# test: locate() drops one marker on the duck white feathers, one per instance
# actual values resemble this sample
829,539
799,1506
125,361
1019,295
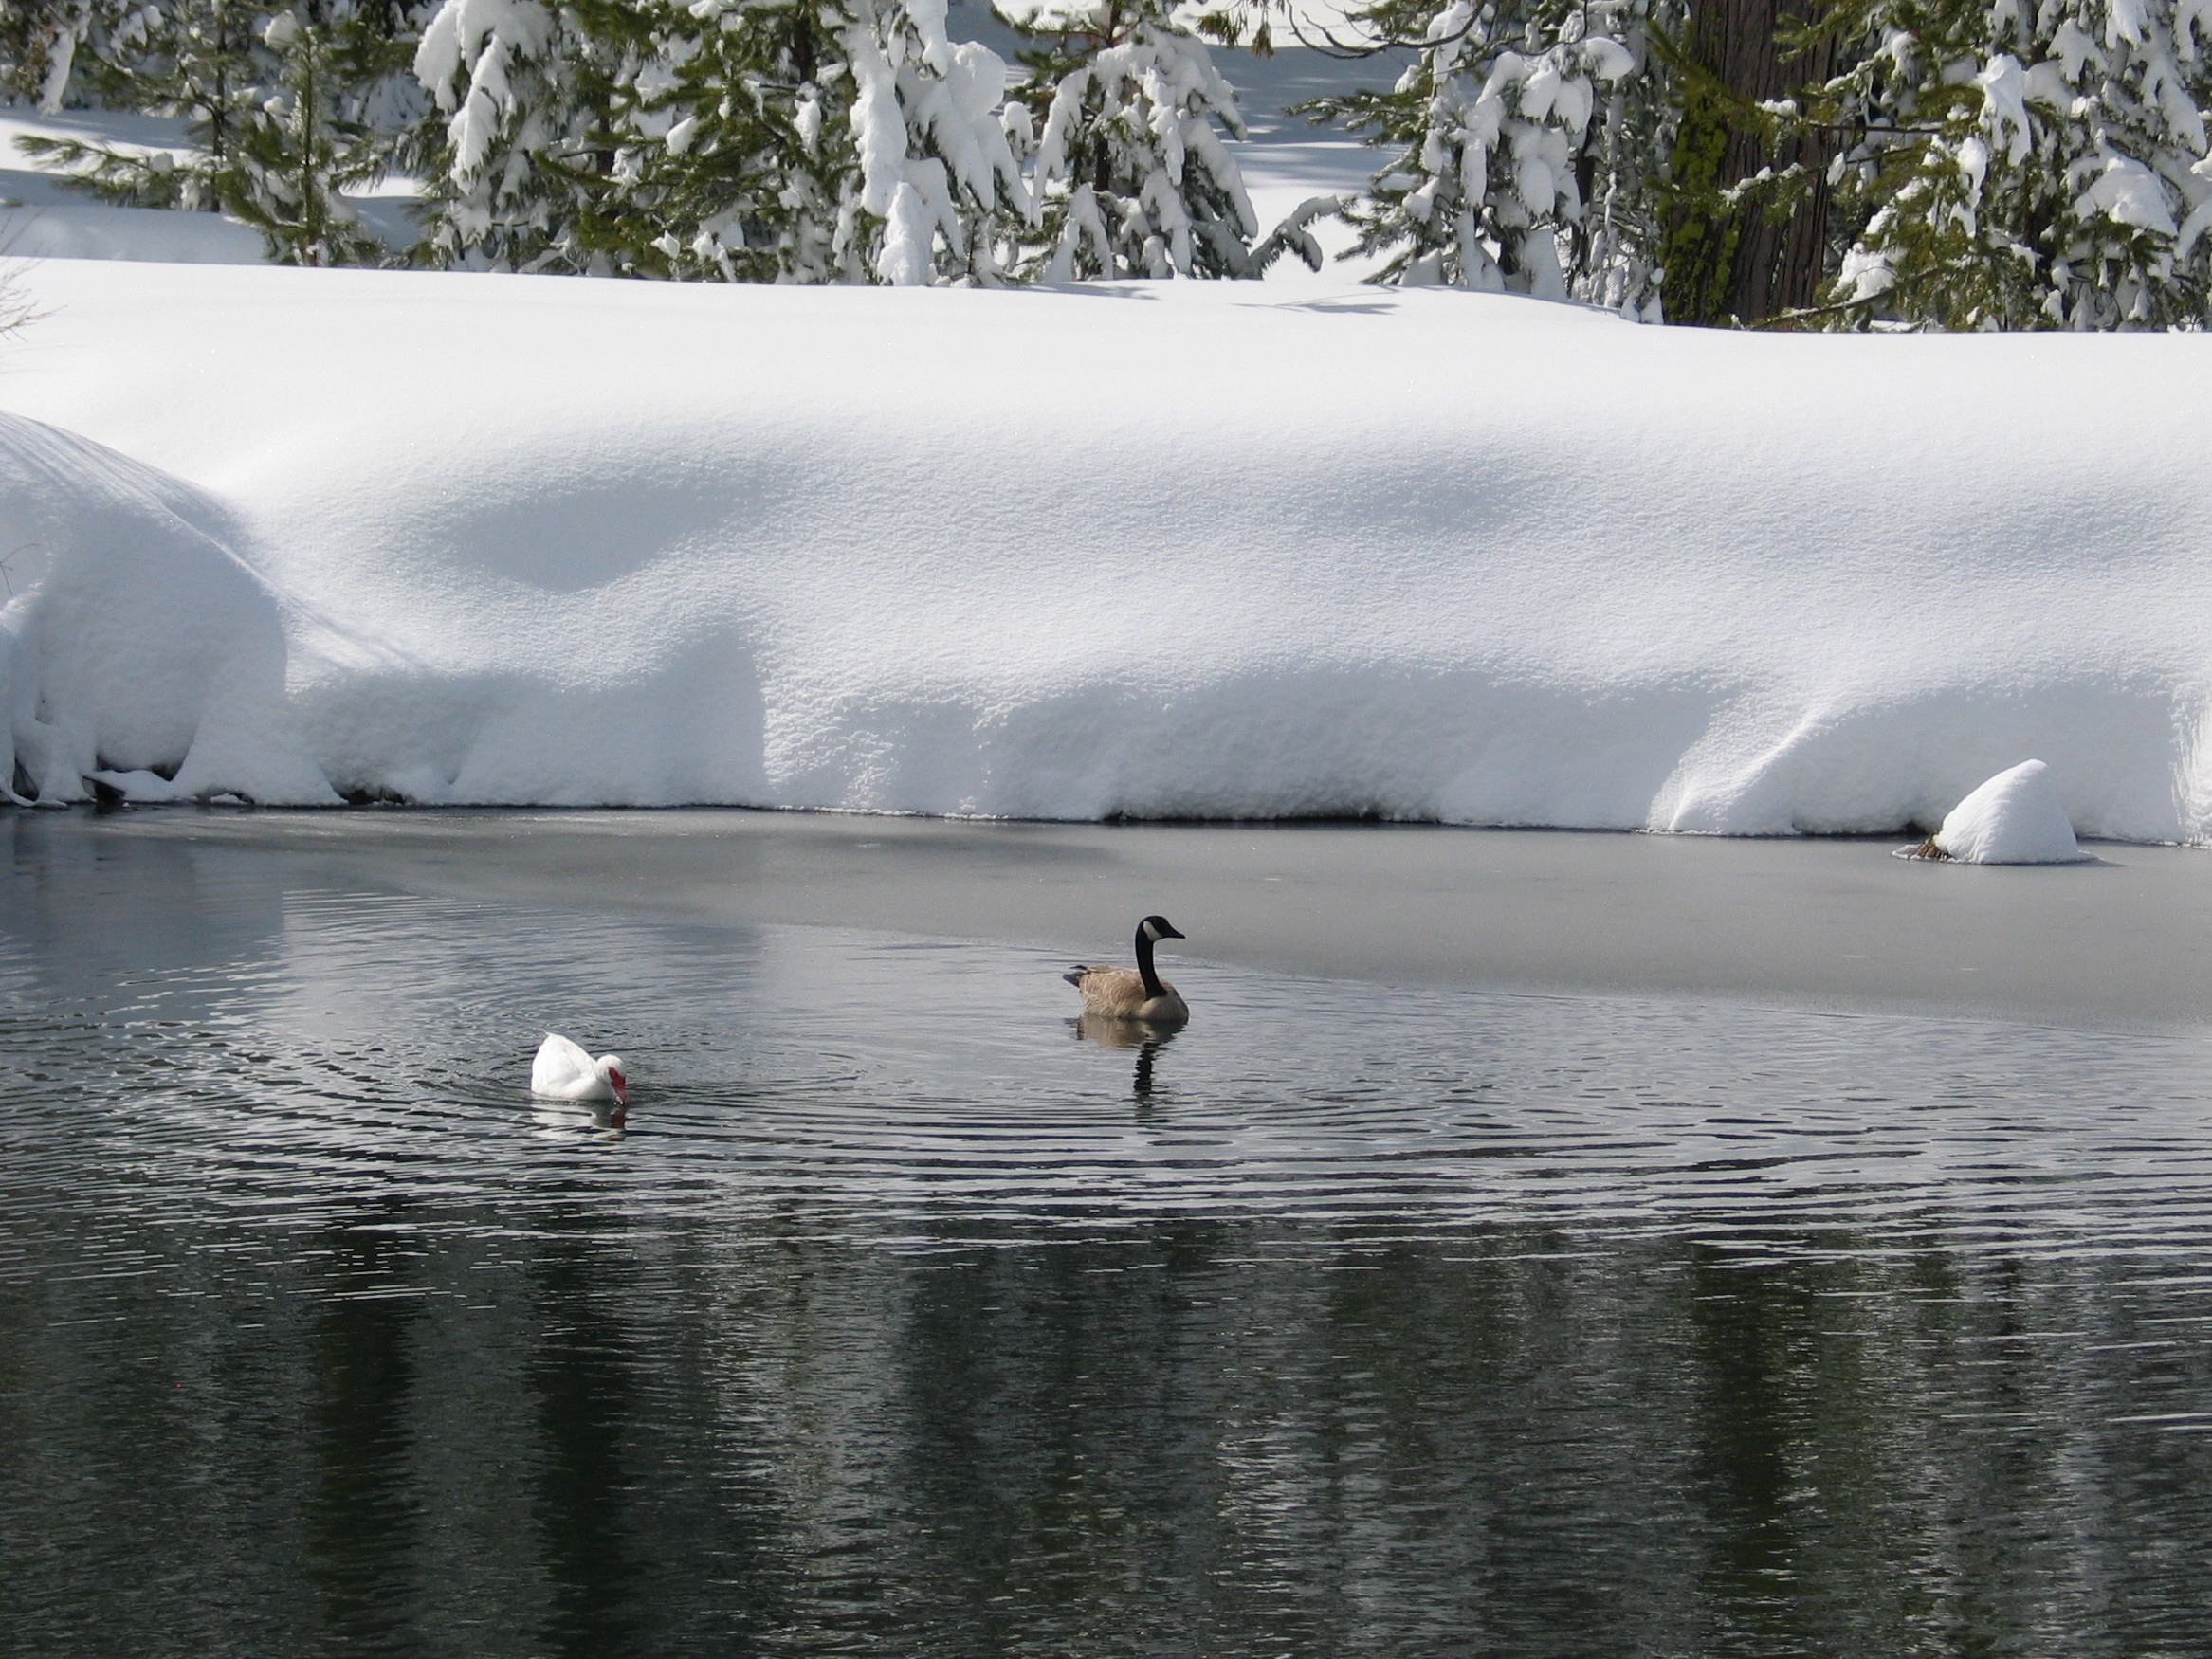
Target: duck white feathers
563,1071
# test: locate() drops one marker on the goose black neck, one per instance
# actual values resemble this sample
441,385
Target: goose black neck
1151,976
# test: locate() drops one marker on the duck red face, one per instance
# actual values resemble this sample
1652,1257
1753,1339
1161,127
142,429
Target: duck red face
619,1083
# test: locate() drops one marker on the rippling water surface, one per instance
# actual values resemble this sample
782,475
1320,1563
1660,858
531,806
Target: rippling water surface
905,1318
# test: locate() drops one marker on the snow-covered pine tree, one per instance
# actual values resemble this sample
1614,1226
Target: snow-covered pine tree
937,193
514,156
201,61
276,108
1531,137
27,36
1131,173
825,140
793,140
43,56
309,141
713,124
2016,165
1996,163
29,31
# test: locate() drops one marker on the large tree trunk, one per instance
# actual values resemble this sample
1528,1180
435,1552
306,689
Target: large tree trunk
1738,263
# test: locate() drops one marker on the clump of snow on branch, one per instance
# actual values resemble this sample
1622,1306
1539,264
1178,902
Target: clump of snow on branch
1525,139
2020,165
505,192
848,142
1130,165
286,112
935,165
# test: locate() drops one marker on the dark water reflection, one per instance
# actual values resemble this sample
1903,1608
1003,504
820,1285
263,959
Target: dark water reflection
909,1319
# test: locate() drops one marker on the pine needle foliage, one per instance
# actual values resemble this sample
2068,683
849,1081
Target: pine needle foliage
1528,138
737,146
278,108
514,153
741,141
201,61
1746,200
1956,164
1132,176
309,141
2018,165
53,53
939,191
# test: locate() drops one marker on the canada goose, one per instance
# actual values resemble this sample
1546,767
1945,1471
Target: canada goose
1117,993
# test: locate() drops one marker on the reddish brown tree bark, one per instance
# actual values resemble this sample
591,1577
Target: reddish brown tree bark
1737,262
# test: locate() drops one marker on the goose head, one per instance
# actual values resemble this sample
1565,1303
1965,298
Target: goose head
1157,927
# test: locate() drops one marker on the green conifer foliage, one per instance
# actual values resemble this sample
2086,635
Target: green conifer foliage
937,189
739,144
61,54
308,142
1131,169
518,154
1529,139
198,59
1747,197
38,48
2020,166
759,140
793,140
274,106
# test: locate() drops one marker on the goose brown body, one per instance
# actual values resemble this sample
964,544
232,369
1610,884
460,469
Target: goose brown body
1132,993
1119,994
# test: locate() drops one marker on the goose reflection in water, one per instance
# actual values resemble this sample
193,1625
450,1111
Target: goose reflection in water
1146,1036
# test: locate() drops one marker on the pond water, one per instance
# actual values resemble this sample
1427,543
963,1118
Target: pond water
904,1317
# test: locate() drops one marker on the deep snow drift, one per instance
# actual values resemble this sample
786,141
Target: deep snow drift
1165,549
132,638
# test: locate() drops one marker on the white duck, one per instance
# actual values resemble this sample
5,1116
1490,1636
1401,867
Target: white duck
563,1071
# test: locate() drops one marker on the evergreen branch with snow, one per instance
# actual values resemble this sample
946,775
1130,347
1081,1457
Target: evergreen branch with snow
284,112
1522,139
1131,173
2022,167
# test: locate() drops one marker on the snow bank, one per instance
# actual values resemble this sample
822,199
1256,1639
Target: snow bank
1171,549
132,641
2014,818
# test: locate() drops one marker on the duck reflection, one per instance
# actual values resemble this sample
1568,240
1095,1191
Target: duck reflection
561,1119
1146,1036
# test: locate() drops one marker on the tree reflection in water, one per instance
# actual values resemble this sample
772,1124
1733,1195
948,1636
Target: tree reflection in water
1438,1327
597,1437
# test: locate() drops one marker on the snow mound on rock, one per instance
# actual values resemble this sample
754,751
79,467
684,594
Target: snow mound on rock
2014,818
133,643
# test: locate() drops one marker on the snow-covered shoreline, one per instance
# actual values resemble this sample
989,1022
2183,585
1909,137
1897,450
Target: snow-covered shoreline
1221,549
